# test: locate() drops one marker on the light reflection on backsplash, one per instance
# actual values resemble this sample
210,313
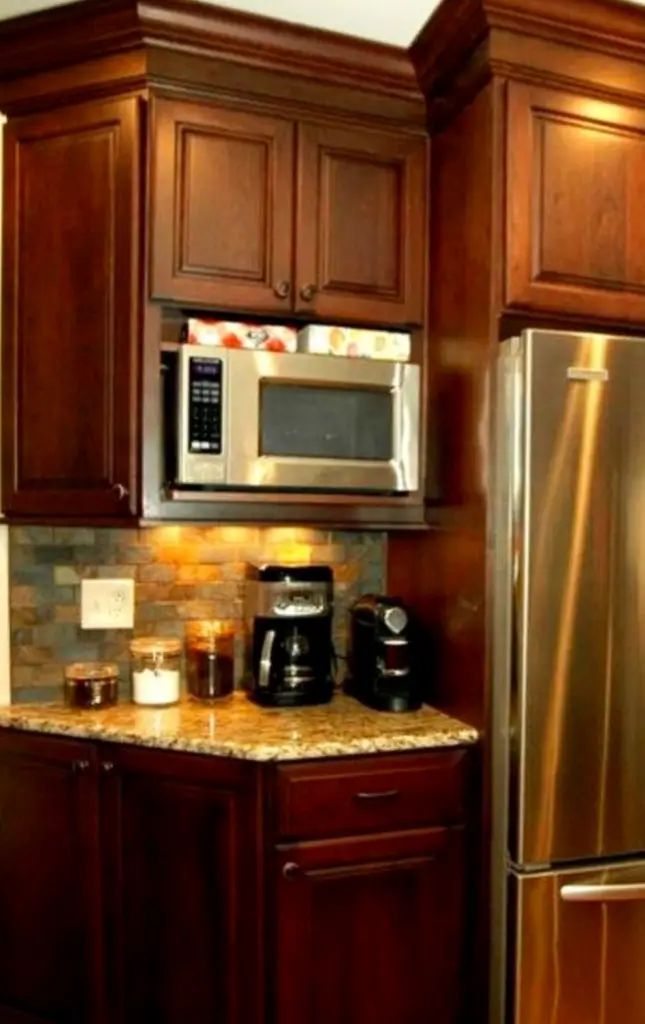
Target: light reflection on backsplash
181,573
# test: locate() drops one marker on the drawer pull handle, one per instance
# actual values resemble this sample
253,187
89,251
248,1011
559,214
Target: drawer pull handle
290,871
80,766
387,794
107,766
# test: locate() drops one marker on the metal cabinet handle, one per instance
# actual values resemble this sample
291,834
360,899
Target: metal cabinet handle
603,893
290,871
80,766
120,491
282,289
386,794
107,766
308,292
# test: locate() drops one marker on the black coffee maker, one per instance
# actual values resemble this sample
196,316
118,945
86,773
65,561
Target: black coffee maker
380,658
289,615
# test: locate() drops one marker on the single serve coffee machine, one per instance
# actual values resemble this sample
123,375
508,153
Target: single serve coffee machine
289,644
380,657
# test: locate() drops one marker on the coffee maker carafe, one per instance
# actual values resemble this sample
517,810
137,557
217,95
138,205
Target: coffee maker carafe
289,611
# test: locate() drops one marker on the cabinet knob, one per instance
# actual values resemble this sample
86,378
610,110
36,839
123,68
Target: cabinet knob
290,871
120,491
307,292
107,766
80,766
282,289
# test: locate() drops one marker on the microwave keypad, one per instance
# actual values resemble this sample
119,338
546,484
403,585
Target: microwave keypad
205,405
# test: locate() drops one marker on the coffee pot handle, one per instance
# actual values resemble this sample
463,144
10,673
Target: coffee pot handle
265,659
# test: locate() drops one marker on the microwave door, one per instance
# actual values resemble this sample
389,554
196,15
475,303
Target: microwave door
318,423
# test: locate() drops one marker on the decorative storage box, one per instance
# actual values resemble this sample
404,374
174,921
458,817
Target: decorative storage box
349,341
233,334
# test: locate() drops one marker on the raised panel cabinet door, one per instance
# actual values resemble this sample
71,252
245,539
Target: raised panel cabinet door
576,178
222,206
70,329
369,930
51,967
182,896
361,225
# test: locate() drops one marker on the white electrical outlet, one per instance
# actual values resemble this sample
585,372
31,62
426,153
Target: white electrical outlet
107,604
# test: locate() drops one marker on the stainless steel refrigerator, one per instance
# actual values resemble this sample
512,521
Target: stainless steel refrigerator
568,667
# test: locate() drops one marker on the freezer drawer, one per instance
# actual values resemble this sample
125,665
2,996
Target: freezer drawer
579,947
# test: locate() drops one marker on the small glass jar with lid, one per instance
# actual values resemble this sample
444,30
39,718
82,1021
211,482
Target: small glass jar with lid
210,658
156,671
91,684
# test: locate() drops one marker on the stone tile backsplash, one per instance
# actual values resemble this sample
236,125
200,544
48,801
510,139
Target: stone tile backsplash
181,573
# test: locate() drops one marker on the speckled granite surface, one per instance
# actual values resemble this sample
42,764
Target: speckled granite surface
237,728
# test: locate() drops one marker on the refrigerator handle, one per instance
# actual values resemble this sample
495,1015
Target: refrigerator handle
603,893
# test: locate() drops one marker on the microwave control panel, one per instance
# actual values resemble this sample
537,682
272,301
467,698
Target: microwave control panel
205,406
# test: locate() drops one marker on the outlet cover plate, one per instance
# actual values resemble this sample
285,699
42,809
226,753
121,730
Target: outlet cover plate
107,604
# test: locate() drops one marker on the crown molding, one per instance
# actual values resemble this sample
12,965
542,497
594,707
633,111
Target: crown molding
90,29
459,27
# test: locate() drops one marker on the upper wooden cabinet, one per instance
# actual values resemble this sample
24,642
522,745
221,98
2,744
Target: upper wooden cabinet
70,297
362,225
223,230
575,238
222,206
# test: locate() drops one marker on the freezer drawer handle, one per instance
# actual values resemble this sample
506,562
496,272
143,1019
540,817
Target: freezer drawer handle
603,893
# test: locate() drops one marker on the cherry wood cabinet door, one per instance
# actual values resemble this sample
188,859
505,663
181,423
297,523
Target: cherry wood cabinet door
183,909
51,968
576,176
361,225
71,277
369,930
222,206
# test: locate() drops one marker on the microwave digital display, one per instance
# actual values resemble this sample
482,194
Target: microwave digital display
205,406
322,422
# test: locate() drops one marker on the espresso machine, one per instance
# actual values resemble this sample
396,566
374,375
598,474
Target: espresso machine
380,658
289,644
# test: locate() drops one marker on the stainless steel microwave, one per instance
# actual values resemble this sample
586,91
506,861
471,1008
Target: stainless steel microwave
236,418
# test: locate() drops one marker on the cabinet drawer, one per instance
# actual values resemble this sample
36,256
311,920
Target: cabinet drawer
370,794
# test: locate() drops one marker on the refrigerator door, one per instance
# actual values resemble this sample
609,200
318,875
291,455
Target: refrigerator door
577,633
579,947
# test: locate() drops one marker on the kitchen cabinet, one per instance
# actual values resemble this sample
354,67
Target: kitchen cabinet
361,225
225,182
222,213
70,332
181,860
576,167
51,968
140,884
161,163
368,929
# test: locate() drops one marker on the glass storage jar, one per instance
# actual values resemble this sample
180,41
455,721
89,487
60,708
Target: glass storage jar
156,671
91,684
210,658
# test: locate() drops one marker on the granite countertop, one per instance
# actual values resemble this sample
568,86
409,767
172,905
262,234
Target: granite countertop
238,728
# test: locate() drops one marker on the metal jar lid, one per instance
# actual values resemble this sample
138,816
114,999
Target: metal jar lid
81,671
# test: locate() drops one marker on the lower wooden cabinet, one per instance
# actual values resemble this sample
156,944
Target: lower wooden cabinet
144,886
182,898
368,930
51,942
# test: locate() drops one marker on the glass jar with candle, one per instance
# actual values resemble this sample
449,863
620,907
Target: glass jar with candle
91,684
210,658
156,671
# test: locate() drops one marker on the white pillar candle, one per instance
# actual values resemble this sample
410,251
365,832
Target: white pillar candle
156,686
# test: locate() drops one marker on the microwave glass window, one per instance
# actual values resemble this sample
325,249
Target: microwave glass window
326,422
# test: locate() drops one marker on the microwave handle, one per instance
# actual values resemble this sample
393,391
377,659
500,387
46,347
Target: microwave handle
265,659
